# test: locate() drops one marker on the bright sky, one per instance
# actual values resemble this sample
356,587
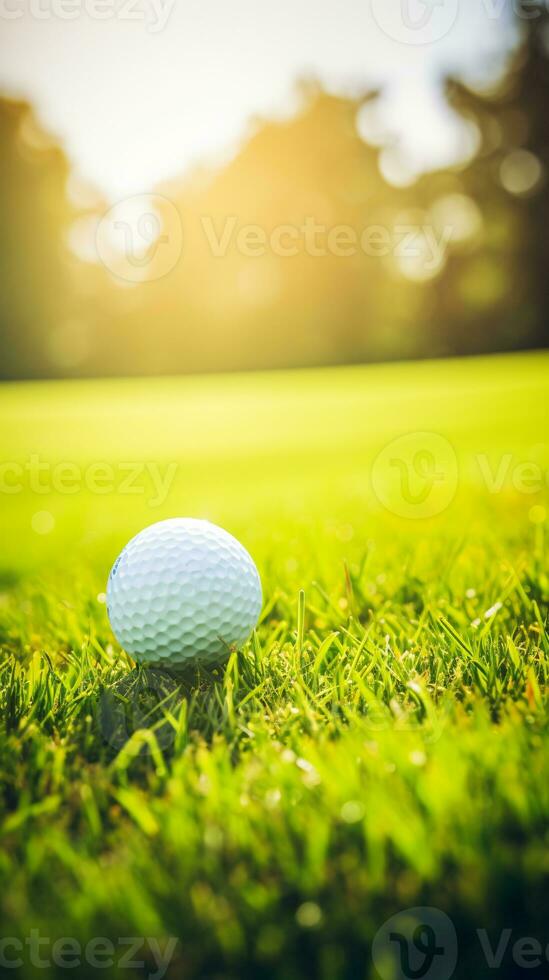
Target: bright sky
138,100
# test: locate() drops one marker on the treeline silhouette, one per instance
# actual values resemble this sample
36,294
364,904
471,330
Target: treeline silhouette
299,251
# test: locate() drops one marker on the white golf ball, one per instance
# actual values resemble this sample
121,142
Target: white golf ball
183,591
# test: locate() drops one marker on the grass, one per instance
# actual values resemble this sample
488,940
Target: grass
381,742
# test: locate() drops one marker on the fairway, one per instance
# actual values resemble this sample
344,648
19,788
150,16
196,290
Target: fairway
380,743
269,456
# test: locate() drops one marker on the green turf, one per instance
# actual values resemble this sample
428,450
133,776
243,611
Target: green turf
380,744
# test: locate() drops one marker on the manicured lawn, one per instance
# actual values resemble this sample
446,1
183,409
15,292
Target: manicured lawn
381,742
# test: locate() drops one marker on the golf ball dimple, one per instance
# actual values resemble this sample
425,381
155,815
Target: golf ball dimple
183,591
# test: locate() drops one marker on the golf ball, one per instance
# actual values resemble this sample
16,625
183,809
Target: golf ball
183,591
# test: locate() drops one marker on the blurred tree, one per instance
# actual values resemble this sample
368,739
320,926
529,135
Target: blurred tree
487,292
494,293
33,271
297,251
288,252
